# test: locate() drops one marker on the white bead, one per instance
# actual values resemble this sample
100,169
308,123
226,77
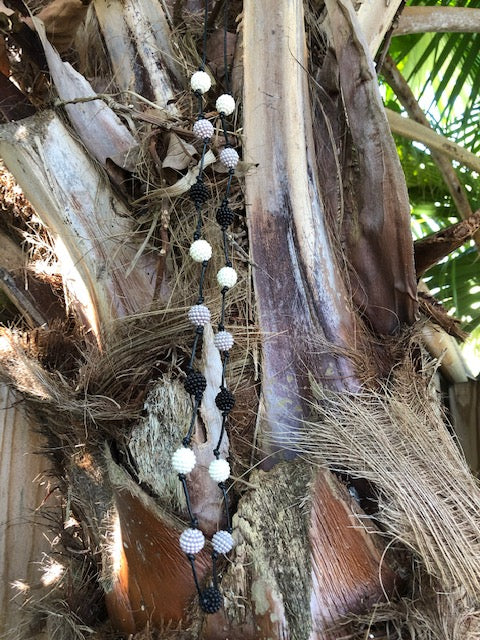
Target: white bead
219,470
222,542
223,340
200,251
199,315
225,104
183,460
203,129
200,81
192,541
229,157
226,277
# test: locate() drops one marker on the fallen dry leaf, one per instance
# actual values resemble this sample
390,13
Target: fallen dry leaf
179,153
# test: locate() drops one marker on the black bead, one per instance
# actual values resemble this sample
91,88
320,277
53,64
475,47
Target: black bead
211,600
224,215
198,192
225,400
195,384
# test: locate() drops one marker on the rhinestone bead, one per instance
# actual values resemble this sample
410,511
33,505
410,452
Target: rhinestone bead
229,157
224,215
227,277
199,315
183,460
200,251
200,82
219,470
225,400
203,129
223,340
222,542
225,104
211,600
192,541
195,384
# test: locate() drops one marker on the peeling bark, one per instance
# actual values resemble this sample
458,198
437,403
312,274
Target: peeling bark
300,296
90,226
148,557
290,589
383,281
138,40
23,535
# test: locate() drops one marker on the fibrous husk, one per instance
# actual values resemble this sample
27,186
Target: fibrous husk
428,501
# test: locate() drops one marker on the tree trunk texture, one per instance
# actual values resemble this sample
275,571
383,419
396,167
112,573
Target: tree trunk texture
438,19
302,560
24,533
465,416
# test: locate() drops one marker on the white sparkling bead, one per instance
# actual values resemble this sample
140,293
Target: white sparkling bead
219,470
225,104
199,315
229,157
222,542
203,129
227,277
183,460
223,340
192,541
200,81
200,251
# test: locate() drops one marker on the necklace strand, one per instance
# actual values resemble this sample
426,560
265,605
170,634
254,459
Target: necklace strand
192,540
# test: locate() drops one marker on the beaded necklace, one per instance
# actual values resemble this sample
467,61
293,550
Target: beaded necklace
192,540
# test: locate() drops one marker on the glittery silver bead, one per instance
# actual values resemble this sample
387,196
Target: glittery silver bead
225,104
200,81
200,251
183,460
192,541
199,315
203,129
223,340
222,542
227,277
219,470
229,157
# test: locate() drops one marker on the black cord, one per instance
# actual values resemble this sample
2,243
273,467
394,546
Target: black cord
225,34
205,29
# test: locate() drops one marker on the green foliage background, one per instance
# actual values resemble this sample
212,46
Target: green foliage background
443,71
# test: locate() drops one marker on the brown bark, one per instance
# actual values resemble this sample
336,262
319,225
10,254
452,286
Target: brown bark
301,300
465,408
430,250
23,535
382,279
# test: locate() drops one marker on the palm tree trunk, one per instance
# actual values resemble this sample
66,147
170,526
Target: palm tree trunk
297,569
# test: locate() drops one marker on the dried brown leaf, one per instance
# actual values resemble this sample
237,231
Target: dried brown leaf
179,153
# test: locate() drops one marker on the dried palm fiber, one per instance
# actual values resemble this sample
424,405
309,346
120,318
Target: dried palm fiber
425,613
428,501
